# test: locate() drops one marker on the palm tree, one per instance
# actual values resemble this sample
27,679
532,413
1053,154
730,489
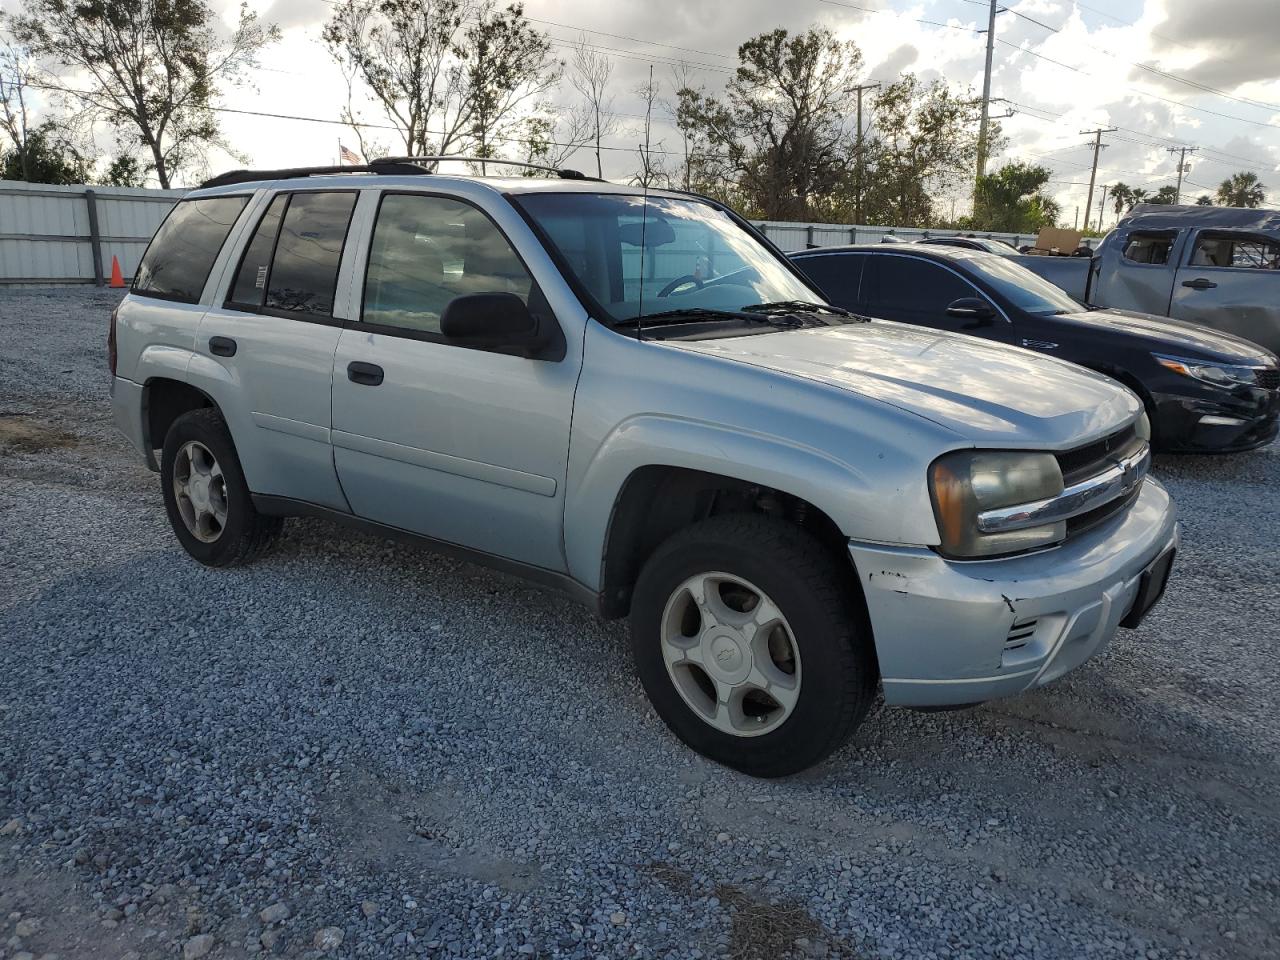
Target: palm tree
1204,200
1137,195
1121,198
1242,190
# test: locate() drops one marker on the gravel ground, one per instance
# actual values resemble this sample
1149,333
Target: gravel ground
359,749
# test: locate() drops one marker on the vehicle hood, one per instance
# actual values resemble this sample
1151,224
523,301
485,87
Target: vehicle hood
1175,337
984,392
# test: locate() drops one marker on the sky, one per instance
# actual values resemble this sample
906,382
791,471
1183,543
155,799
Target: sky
1197,73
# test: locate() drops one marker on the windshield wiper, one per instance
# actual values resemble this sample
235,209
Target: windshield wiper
693,314
802,306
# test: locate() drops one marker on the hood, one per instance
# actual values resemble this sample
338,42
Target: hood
1176,337
987,393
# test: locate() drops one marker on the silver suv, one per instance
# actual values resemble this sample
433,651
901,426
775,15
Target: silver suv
633,396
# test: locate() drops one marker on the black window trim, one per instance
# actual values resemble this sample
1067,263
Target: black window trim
557,347
173,297
325,320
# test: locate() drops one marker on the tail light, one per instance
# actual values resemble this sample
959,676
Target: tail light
111,342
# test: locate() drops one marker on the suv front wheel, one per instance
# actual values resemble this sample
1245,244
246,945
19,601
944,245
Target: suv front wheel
205,494
750,644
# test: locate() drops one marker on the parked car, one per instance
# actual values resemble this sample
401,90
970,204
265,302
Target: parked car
985,244
1204,391
636,398
1217,267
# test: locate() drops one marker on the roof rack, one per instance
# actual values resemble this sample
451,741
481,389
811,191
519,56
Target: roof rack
291,173
562,173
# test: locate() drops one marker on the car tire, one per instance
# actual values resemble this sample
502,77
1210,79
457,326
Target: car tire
701,661
205,494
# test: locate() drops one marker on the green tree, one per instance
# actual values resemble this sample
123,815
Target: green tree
779,141
149,67
1165,195
1204,200
125,170
444,72
1121,198
1011,200
44,157
924,144
1242,190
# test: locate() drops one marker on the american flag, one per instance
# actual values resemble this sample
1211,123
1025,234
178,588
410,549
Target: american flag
348,156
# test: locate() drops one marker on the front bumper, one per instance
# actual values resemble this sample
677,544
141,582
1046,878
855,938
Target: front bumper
951,633
1216,421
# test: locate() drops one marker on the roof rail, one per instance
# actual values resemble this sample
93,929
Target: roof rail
563,174
396,166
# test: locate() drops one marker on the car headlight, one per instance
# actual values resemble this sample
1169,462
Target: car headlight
1143,427
967,482
1217,374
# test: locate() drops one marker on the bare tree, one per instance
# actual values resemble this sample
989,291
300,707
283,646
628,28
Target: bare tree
16,73
551,139
152,66
590,74
444,72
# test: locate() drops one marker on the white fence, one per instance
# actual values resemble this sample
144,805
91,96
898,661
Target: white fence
53,234
68,234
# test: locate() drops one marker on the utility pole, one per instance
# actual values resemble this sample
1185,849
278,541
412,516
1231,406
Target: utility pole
1093,174
1102,206
1182,167
986,90
857,163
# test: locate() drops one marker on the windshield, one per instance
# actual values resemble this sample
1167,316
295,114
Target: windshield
640,257
1024,289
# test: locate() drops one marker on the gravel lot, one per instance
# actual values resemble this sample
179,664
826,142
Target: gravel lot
363,749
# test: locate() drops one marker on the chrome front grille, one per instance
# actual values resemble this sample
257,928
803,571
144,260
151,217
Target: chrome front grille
1095,457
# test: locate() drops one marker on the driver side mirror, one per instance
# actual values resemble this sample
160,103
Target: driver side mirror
492,321
972,308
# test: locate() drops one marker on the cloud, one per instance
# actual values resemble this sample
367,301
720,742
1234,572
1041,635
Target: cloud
1235,40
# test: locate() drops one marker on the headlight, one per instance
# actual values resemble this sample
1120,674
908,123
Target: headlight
967,482
1217,374
1143,427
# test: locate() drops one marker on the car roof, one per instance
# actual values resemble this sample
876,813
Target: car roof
936,251
438,181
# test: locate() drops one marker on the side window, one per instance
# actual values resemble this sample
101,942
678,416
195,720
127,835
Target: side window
181,254
426,251
1236,251
291,262
838,275
251,279
905,283
1149,247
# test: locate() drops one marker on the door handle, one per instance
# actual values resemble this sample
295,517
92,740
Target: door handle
222,346
1200,283
370,374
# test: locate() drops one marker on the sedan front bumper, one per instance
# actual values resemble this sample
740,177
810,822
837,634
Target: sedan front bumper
950,633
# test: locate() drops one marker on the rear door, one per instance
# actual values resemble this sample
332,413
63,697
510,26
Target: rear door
1230,280
275,334
464,445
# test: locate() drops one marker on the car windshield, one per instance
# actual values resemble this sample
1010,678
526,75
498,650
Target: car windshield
1024,289
641,257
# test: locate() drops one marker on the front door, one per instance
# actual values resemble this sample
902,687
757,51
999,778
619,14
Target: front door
915,290
1231,281
463,445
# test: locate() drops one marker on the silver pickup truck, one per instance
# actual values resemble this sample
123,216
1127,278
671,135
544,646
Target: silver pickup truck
1218,266
636,398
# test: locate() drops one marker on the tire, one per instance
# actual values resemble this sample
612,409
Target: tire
833,680
243,534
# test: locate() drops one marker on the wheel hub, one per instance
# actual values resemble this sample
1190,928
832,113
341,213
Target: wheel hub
725,656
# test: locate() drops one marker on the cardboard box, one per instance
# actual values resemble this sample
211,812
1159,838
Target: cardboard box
1056,241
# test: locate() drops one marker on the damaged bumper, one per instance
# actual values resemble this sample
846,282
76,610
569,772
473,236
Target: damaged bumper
951,633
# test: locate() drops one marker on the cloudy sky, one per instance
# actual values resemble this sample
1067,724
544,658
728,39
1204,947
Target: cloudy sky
1203,73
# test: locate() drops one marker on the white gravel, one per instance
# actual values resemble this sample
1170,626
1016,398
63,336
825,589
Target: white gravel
359,748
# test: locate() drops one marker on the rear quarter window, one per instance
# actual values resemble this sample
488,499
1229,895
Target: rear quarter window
181,254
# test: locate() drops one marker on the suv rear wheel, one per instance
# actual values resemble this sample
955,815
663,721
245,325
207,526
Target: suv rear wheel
205,495
750,645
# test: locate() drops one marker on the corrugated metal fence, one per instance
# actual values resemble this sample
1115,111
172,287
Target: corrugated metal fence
68,234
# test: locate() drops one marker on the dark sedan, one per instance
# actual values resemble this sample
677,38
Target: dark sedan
1205,391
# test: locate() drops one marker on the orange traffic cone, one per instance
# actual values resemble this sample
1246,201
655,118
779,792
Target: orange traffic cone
117,278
